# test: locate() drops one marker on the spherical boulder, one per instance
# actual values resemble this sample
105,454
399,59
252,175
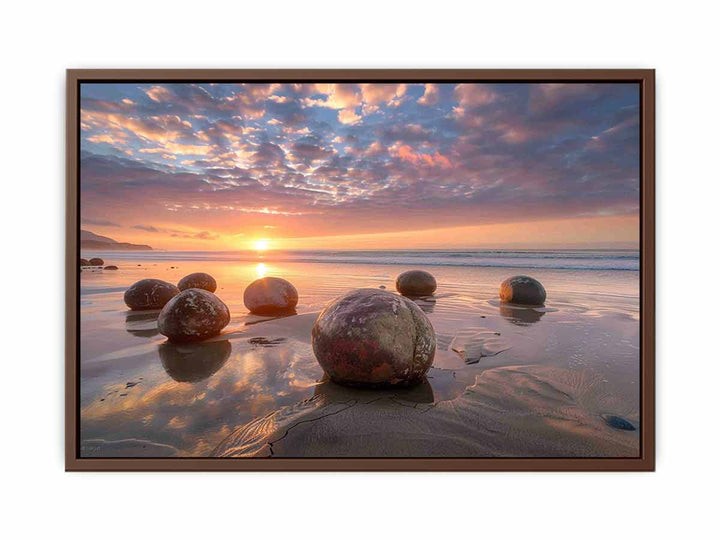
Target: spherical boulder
374,338
198,280
96,261
111,267
84,262
522,290
416,283
150,294
270,296
193,315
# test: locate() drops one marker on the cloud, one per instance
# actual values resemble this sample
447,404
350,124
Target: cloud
349,157
147,228
474,95
99,222
347,116
406,153
431,95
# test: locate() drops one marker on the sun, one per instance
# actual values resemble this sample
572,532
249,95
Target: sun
261,244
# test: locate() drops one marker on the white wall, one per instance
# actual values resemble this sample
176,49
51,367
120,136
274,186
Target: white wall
38,42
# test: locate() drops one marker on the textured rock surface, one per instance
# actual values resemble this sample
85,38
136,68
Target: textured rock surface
84,262
96,261
193,315
416,283
150,294
371,337
529,411
270,296
198,280
522,290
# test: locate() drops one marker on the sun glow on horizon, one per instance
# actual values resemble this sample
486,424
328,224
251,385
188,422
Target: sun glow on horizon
261,244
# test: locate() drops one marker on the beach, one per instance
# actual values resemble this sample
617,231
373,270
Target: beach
506,381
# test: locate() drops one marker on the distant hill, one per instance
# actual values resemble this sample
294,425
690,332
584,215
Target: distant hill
90,240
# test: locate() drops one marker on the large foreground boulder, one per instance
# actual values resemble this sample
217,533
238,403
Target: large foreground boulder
522,290
270,296
150,294
96,261
371,337
84,262
193,315
198,280
416,283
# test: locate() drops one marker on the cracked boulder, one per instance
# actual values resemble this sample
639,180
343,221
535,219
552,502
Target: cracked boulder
374,338
193,315
522,290
270,296
149,294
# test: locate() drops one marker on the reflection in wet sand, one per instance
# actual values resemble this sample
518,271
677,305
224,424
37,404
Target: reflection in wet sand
194,362
327,392
528,411
521,316
142,324
261,365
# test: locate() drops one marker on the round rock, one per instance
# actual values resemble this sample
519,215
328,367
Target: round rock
150,294
111,267
416,283
193,315
96,261
375,338
198,280
522,290
84,262
270,295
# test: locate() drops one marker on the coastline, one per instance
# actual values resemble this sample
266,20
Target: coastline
136,388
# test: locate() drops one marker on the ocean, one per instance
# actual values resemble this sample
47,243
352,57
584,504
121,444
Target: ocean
528,259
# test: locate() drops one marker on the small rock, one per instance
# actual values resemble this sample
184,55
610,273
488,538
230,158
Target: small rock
617,422
522,290
374,338
198,280
382,287
111,267
150,294
270,296
96,261
416,283
84,262
193,315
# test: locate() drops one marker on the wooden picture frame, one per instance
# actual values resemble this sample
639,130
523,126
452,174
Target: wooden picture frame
646,460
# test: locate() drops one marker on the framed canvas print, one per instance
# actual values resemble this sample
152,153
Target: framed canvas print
360,270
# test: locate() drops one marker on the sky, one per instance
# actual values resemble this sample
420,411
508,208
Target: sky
360,166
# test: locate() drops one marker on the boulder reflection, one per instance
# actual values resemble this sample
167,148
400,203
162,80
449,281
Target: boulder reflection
195,361
519,315
329,392
142,324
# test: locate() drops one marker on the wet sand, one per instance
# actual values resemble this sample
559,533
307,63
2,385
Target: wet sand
506,381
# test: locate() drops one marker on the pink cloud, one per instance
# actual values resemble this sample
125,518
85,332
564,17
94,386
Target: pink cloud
406,153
